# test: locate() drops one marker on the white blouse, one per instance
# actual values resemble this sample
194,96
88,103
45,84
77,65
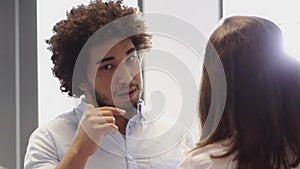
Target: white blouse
200,158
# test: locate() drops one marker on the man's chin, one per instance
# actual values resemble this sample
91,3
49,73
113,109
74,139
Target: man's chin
129,105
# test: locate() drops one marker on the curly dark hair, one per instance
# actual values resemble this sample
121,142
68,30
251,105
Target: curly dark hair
82,22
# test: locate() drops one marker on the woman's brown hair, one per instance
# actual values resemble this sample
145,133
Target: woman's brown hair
262,109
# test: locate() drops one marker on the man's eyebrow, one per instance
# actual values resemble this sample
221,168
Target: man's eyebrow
105,59
130,50
112,57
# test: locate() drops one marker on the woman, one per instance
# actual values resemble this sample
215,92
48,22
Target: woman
260,127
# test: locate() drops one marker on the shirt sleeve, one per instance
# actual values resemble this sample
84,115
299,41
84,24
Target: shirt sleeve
41,151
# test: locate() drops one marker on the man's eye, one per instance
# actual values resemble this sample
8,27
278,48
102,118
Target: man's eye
131,58
106,67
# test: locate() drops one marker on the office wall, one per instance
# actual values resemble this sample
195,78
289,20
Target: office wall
203,14
7,88
18,90
182,41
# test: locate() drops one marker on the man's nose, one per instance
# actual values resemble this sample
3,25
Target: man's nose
123,74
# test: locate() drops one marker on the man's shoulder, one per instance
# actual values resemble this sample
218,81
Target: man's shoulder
68,116
59,126
63,122
58,132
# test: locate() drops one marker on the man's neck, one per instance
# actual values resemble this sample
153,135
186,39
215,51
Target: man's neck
121,122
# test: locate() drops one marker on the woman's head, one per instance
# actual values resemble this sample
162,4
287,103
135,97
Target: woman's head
263,91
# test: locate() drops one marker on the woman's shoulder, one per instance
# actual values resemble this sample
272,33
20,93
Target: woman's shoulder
203,157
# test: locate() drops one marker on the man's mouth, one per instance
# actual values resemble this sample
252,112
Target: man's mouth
127,93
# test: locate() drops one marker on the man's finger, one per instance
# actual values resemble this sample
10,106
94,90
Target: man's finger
104,120
90,106
114,110
109,127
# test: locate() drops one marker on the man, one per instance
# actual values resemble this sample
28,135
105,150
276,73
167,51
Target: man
100,62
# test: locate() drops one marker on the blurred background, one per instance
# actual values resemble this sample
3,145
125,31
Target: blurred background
30,95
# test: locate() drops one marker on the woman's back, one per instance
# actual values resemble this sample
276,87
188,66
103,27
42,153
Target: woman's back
262,109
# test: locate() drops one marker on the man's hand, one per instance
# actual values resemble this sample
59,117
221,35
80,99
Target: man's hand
94,125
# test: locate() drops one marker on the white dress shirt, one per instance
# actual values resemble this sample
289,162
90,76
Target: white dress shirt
143,147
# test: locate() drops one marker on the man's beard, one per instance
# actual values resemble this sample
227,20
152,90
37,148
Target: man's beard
129,107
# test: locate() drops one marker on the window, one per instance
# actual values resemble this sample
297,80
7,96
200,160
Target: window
283,12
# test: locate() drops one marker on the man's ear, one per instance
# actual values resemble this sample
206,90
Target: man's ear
83,86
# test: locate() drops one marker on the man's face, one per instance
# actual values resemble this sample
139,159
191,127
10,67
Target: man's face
117,81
